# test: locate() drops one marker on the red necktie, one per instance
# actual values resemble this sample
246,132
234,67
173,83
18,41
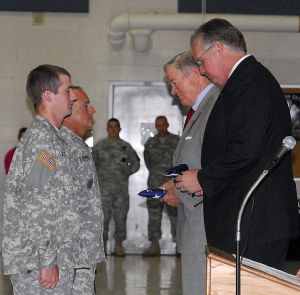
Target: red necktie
189,116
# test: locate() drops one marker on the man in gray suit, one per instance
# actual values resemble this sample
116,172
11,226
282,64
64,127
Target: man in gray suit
196,91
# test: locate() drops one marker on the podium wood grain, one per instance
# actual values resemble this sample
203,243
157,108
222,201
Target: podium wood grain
221,278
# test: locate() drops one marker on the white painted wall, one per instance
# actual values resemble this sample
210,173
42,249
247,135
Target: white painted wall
79,43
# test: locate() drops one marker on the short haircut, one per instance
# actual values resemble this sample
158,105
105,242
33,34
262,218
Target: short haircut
44,77
21,132
114,120
183,62
161,117
218,29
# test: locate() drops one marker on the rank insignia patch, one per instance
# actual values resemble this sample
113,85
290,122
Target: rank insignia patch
47,160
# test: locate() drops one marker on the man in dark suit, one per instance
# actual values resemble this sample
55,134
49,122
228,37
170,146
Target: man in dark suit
196,91
244,131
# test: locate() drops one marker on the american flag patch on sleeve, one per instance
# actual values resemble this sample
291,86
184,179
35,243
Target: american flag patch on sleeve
47,160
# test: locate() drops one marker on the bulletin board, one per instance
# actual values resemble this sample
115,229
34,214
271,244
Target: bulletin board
81,6
292,95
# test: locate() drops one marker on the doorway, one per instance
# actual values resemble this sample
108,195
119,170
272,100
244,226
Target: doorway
136,105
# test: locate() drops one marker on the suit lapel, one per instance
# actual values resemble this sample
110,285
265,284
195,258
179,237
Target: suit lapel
201,108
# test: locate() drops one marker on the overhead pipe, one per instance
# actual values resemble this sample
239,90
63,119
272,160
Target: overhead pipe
141,26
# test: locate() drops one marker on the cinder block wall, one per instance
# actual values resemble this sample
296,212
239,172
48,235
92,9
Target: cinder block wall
79,43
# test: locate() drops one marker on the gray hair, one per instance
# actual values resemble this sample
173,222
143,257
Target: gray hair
183,62
218,29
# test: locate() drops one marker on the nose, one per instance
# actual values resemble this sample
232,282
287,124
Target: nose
72,96
173,90
92,110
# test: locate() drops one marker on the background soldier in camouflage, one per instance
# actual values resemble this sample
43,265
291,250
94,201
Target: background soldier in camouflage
158,155
90,209
115,161
41,243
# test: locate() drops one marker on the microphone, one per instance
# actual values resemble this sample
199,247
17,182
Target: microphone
288,144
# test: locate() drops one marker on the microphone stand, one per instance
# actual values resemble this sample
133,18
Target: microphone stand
288,143
238,229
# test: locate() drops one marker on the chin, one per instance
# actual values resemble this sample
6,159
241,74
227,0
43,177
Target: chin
68,113
185,103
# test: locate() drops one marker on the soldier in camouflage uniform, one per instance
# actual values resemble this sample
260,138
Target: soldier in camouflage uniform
41,242
115,161
158,155
90,210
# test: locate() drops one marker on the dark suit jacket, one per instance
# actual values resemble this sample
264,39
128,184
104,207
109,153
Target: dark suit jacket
244,131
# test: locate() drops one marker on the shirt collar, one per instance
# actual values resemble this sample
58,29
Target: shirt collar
237,63
201,95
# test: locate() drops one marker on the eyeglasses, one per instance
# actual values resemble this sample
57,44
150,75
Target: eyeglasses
199,61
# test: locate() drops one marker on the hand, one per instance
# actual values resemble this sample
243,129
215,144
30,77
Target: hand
170,197
172,200
188,182
298,273
49,277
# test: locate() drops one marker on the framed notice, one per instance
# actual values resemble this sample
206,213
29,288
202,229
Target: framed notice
292,95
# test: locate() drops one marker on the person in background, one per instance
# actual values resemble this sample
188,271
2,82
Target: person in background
87,190
197,92
9,155
245,129
41,242
115,161
158,156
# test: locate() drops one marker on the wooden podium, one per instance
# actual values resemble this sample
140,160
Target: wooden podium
256,278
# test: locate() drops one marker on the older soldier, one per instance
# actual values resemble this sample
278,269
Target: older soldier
115,161
90,209
41,243
158,155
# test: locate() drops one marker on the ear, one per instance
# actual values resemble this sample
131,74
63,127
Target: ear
219,47
47,96
196,72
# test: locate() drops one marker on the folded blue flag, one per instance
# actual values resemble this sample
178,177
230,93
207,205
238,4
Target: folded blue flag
154,193
177,170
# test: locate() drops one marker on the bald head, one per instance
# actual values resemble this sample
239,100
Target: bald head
81,118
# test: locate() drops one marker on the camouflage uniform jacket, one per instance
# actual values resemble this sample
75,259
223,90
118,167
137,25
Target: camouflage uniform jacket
115,161
89,199
41,219
158,156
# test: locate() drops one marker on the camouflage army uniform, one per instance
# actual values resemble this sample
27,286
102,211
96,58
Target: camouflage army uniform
41,214
91,215
115,162
158,157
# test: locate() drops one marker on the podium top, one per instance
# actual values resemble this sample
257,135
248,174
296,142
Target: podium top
255,268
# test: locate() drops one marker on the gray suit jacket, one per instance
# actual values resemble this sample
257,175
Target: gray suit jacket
191,236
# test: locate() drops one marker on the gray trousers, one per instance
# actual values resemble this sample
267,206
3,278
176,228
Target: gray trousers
193,273
71,282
